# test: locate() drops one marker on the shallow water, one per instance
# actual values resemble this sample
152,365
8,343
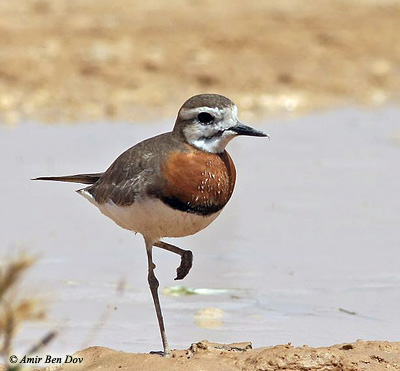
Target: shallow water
307,251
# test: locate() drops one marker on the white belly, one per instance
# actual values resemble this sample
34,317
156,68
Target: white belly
152,218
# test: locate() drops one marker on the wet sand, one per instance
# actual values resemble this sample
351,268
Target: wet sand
306,251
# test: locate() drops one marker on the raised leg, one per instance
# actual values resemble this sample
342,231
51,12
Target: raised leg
186,258
153,283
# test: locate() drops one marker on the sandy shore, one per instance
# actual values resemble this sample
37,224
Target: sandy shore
206,356
209,357
65,60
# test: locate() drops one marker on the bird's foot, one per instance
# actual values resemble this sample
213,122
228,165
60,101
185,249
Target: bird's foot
161,353
186,264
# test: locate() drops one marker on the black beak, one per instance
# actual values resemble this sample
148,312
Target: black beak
242,129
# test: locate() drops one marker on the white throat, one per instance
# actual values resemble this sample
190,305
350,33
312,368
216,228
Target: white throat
213,144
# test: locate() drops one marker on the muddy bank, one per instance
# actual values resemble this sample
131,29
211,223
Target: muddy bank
205,356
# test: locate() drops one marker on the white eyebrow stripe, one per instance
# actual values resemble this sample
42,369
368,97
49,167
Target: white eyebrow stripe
186,113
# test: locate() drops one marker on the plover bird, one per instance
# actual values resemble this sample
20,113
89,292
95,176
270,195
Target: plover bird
172,185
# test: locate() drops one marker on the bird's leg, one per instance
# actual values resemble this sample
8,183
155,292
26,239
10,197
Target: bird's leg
186,258
153,283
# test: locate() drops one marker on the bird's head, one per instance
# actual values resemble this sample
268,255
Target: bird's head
209,122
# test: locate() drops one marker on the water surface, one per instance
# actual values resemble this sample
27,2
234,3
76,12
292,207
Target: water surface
307,251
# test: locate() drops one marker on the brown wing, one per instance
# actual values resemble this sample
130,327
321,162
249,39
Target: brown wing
134,173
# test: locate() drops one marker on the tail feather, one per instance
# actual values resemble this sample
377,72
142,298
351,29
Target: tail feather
79,178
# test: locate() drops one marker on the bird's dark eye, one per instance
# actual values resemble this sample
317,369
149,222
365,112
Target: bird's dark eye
205,117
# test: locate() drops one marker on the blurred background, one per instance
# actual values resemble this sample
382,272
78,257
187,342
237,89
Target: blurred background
73,60
307,250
